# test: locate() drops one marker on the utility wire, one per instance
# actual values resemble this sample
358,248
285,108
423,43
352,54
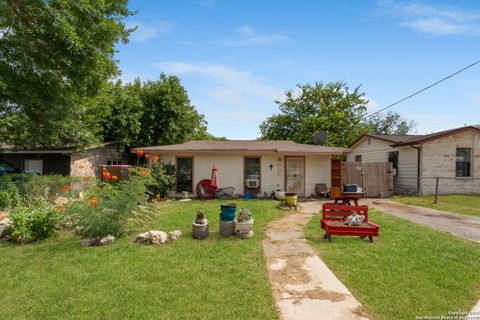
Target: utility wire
421,90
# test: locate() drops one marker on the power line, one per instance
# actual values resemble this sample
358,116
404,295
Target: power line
421,90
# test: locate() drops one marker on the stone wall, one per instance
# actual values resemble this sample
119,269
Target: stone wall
438,159
87,164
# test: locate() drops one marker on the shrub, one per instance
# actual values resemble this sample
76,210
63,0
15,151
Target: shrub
47,186
162,178
9,194
107,209
34,222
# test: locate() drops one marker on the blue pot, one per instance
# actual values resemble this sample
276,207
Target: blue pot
228,212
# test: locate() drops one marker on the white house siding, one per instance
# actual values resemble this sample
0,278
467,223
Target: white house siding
231,167
377,151
317,170
438,160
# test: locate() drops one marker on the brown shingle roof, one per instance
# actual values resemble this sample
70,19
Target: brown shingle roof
405,140
279,146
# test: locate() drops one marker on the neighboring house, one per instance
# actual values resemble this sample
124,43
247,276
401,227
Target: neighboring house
64,161
453,155
250,166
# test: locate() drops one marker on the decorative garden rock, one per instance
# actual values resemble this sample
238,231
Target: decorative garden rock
175,234
4,225
158,237
91,242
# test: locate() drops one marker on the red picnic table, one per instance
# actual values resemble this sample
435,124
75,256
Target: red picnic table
345,200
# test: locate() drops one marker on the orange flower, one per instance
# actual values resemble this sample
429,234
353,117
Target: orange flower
147,156
157,196
114,178
139,152
93,201
61,209
87,179
66,188
106,175
142,171
156,158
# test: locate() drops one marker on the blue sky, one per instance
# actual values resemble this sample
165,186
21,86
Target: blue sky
236,57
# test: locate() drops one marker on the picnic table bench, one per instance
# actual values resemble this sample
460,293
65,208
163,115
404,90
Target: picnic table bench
345,199
334,218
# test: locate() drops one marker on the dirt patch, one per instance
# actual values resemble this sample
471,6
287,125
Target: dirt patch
359,311
315,294
293,272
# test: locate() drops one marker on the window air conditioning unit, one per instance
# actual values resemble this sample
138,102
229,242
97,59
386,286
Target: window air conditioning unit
252,183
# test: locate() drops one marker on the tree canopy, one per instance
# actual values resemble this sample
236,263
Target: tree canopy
332,107
153,113
389,123
55,57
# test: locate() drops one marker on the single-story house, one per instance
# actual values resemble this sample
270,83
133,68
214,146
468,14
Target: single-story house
64,161
250,166
452,155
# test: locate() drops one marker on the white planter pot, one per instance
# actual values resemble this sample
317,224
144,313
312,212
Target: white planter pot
200,231
244,229
280,195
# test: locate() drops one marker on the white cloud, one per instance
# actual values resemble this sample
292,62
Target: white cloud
433,19
247,36
234,101
372,106
237,82
148,31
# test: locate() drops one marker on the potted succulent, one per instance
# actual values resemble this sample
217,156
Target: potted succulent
200,226
244,224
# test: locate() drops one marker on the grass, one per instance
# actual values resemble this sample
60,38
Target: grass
215,278
463,204
409,271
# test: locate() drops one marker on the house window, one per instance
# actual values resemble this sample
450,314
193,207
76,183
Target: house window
185,174
462,165
393,158
114,162
252,173
358,158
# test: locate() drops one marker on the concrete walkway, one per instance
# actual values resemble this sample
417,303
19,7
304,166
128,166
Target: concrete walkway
303,286
467,227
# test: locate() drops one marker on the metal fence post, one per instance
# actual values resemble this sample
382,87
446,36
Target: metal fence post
436,190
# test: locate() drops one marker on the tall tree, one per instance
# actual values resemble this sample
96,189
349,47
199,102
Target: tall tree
55,56
332,107
390,123
168,116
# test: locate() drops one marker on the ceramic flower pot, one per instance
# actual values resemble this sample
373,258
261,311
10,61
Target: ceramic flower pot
200,231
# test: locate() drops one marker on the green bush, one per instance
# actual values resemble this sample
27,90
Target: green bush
34,222
107,209
9,194
47,186
162,179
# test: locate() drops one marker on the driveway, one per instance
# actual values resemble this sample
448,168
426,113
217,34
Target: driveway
467,227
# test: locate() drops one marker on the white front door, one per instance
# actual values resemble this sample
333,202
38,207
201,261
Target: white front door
34,165
296,175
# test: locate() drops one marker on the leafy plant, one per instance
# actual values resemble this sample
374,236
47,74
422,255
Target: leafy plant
244,215
162,178
107,209
10,196
34,222
47,186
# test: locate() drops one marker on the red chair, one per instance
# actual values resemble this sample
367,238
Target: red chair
205,190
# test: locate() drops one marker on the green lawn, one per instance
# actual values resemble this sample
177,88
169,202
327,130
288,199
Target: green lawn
409,271
215,278
463,204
